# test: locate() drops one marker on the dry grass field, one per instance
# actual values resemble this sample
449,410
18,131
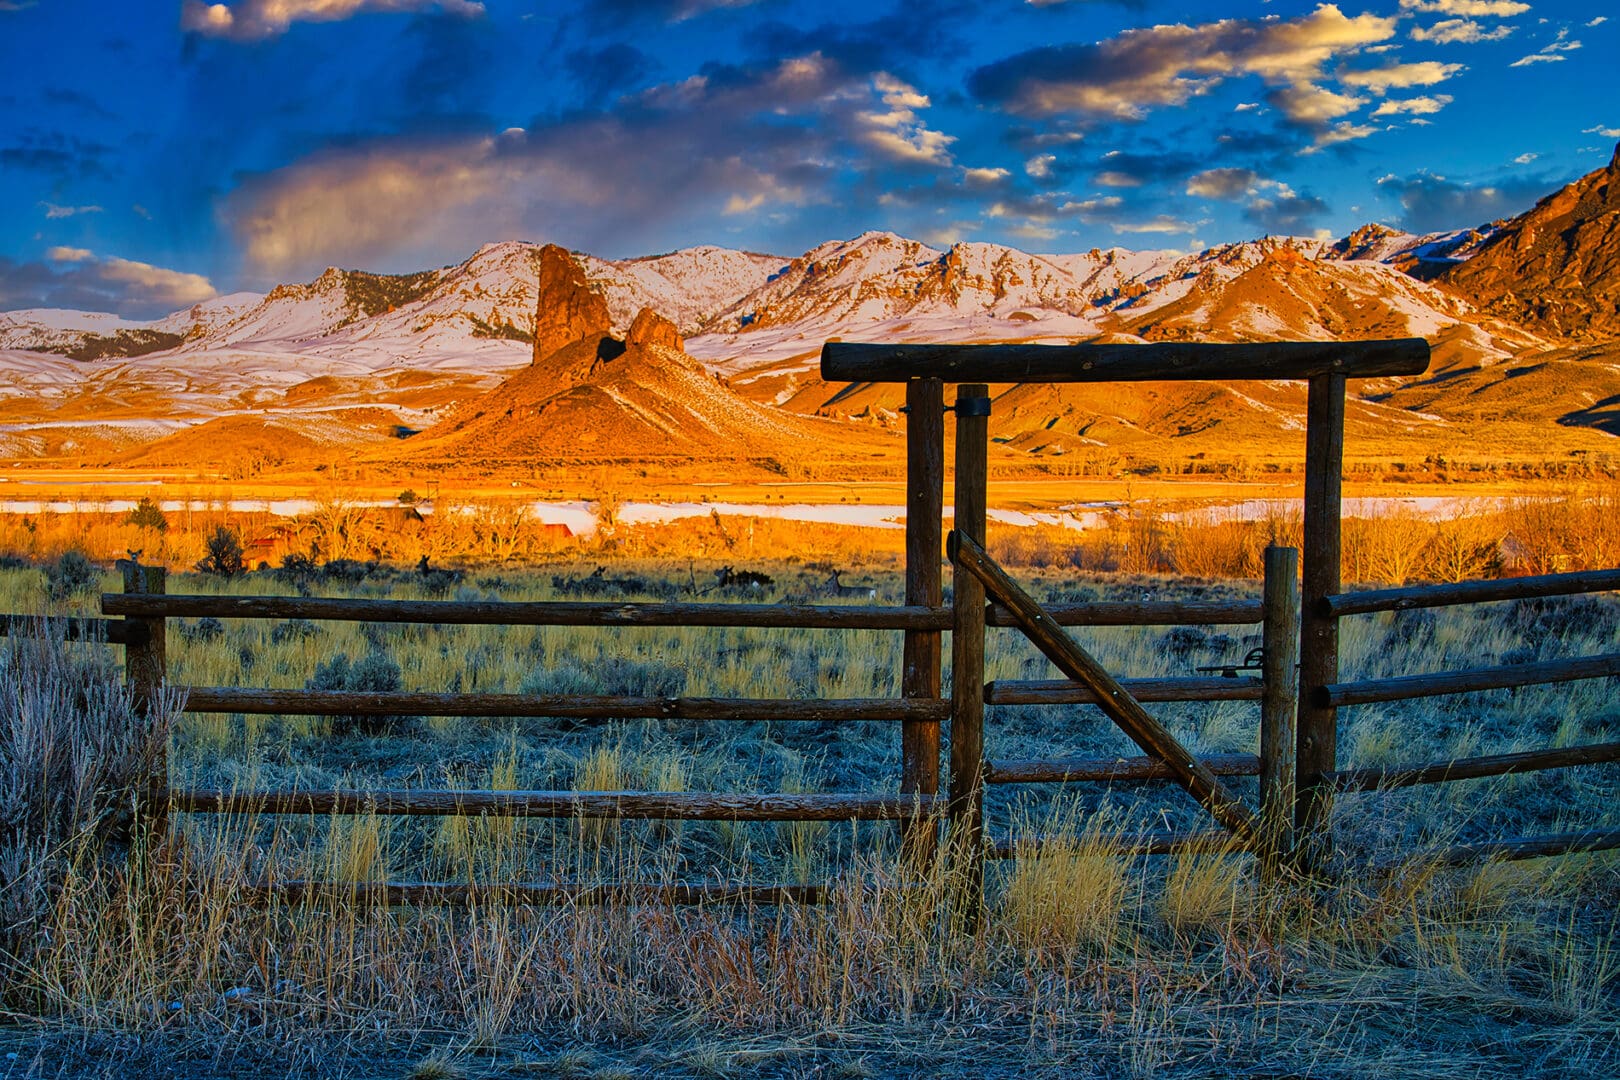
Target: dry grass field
121,958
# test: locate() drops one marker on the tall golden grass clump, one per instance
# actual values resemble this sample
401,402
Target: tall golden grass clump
1071,889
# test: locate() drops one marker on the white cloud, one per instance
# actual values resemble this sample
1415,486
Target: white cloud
1221,183
156,281
984,177
1246,106
53,211
1040,166
107,281
1031,230
897,133
1163,223
1550,53
1606,132
249,20
1343,131
1498,8
404,201
1114,178
1418,106
1400,76
1125,76
948,235
1599,21
1525,159
1460,32
1307,103
1093,205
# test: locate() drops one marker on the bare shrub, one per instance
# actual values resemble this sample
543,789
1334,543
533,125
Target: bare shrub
224,554
1215,546
1462,548
1574,529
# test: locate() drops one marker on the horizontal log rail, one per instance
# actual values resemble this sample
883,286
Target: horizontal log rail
224,699
1069,692
112,631
554,894
1104,769
1404,687
442,802
528,613
851,361
571,613
1471,592
1203,841
1440,772
1139,613
1525,847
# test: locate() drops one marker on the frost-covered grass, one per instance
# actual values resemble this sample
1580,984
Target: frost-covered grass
1090,963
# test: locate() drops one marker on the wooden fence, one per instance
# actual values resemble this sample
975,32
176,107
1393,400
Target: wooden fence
1295,759
144,609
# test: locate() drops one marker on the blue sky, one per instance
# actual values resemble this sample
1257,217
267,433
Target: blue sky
153,155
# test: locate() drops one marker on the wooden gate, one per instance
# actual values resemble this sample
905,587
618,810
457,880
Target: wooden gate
1298,760
1325,366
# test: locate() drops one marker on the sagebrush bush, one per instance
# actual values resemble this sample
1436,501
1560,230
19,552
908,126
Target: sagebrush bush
374,673
70,575
75,759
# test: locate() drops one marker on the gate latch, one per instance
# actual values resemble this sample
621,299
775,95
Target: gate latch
1254,660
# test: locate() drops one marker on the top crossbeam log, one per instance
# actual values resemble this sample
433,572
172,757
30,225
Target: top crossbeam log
852,361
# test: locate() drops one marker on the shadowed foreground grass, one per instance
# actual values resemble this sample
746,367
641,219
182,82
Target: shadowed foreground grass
121,959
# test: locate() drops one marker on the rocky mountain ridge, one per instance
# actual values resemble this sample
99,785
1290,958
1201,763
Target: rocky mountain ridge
588,393
1556,266
735,298
353,357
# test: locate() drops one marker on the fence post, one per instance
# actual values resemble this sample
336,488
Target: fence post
1280,641
1317,724
967,656
145,670
920,673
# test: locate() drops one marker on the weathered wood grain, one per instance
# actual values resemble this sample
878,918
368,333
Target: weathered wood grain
443,802
1471,592
1103,769
1440,772
1404,687
852,361
225,699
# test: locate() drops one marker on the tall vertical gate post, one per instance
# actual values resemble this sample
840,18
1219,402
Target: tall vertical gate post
920,674
967,656
1317,733
1280,642
145,670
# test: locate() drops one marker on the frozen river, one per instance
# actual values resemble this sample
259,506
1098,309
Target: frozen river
581,516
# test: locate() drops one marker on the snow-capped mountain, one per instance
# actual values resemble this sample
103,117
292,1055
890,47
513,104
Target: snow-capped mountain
739,310
353,354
